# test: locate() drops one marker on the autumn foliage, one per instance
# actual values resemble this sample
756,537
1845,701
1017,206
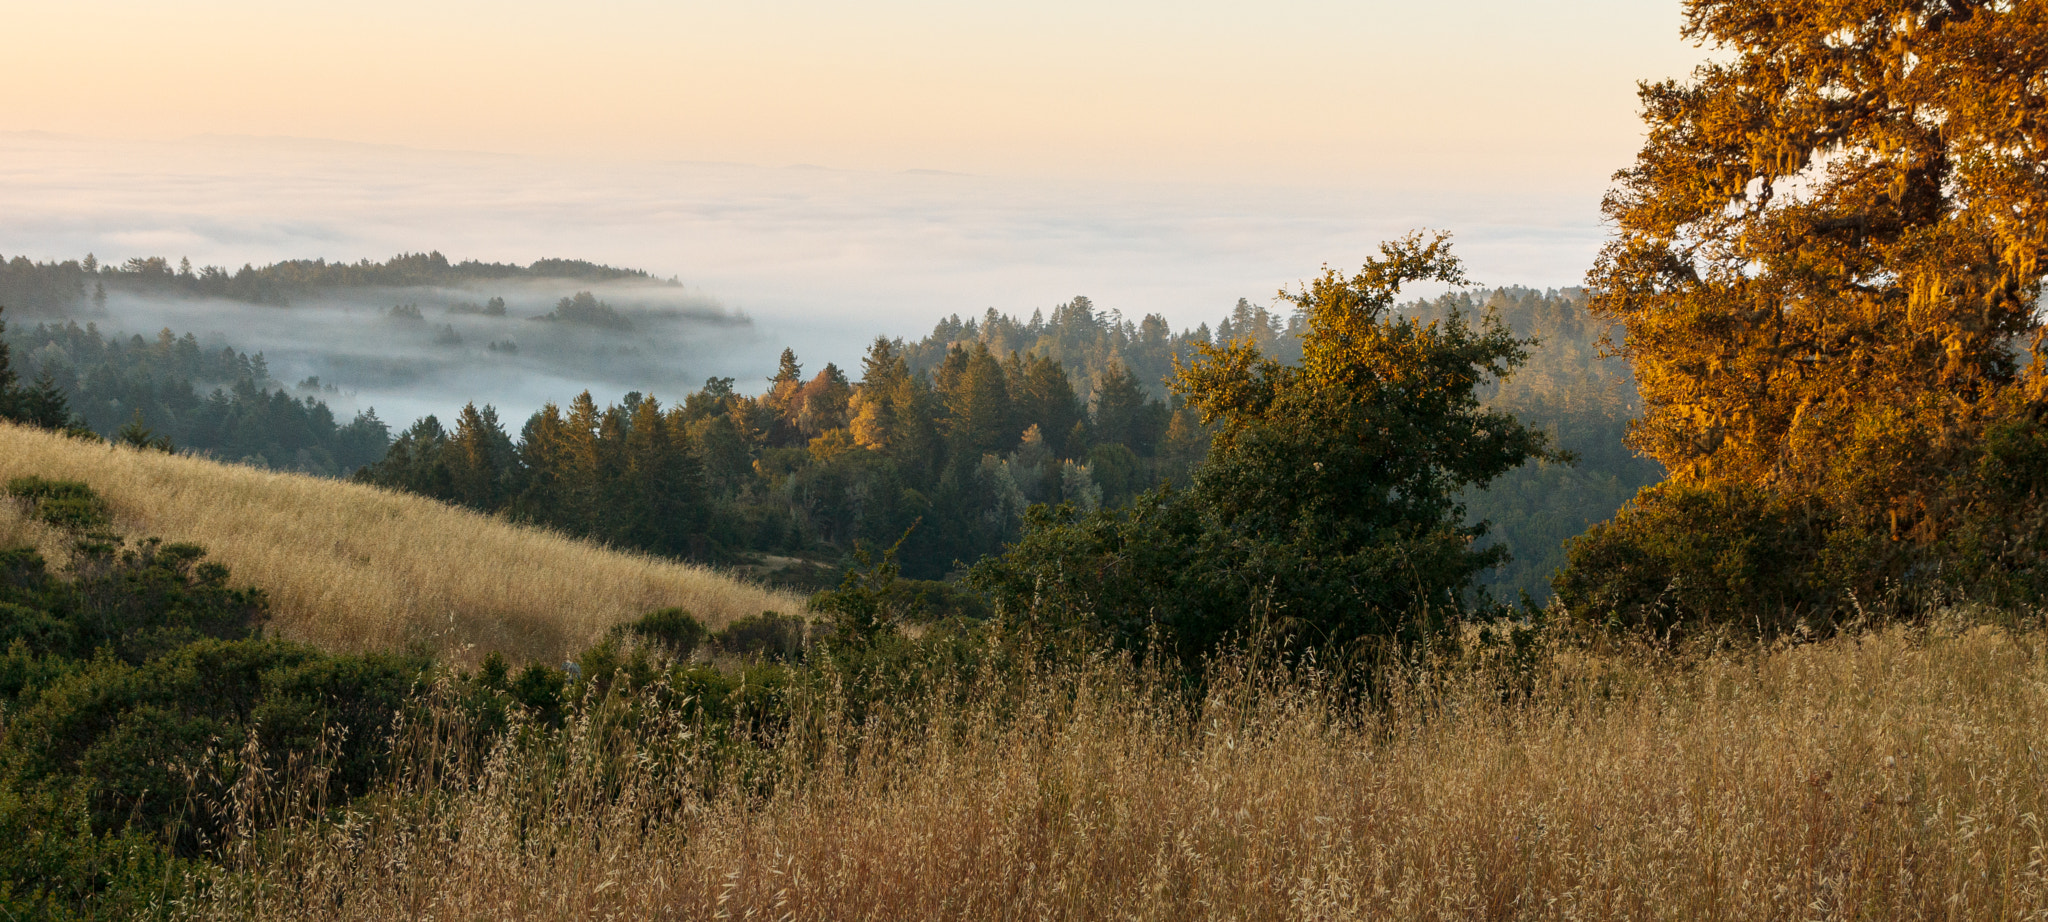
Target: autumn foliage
1828,258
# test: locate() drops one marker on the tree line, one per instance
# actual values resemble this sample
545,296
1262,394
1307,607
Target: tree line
951,438
60,288
815,464
217,402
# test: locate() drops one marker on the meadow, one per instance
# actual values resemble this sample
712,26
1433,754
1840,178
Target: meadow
1896,774
349,567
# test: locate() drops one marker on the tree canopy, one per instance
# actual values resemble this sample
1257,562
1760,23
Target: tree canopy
1827,258
1329,500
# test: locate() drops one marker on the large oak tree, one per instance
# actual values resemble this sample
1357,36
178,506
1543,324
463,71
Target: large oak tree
1827,260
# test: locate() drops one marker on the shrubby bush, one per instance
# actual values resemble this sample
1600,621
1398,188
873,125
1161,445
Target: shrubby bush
678,631
770,636
1767,560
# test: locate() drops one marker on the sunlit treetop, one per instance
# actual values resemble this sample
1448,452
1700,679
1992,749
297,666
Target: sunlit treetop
1832,238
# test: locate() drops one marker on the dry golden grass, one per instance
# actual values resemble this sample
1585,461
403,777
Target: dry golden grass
350,567
1898,775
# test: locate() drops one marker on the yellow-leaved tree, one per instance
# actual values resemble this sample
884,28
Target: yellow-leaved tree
1827,259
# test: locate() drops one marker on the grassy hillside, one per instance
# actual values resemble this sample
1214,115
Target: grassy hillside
351,567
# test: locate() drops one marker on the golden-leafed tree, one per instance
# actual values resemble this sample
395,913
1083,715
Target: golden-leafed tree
1828,254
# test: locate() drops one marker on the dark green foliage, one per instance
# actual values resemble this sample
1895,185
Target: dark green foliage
769,636
137,434
156,745
961,432
41,405
678,631
53,867
131,602
866,606
42,289
1131,577
1761,561
148,598
136,697
539,688
35,629
64,503
586,310
1684,558
1327,507
171,391
1583,402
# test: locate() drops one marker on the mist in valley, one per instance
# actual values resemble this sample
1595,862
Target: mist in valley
408,352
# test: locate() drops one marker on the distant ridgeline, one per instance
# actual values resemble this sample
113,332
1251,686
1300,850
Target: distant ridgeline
958,432
215,401
55,289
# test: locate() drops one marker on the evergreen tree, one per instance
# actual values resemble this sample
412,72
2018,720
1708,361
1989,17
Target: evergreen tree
979,417
1125,415
480,459
1045,398
824,403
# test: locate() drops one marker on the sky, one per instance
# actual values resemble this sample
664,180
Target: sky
835,170
1357,93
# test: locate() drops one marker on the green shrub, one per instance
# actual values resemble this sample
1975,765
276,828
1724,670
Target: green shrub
54,866
769,635
150,745
148,599
66,504
40,631
1682,558
673,628
539,688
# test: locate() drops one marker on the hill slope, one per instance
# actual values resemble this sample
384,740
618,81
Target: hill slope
352,567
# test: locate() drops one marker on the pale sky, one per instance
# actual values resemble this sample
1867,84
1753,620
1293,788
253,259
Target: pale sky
1358,93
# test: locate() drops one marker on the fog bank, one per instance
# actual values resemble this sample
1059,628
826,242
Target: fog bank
821,260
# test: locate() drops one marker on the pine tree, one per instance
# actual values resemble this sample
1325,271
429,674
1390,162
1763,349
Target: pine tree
1125,415
873,405
979,417
824,403
1045,398
480,457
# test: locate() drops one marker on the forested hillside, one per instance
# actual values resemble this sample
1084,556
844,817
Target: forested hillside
815,464
948,438
959,432
214,401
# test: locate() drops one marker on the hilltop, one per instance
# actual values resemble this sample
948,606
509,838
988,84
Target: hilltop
351,567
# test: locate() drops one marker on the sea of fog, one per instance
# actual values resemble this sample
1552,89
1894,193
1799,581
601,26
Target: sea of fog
352,350
815,259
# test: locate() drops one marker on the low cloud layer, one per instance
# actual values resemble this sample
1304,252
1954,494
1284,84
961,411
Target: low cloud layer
821,260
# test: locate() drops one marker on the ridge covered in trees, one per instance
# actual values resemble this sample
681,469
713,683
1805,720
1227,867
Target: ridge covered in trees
60,288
